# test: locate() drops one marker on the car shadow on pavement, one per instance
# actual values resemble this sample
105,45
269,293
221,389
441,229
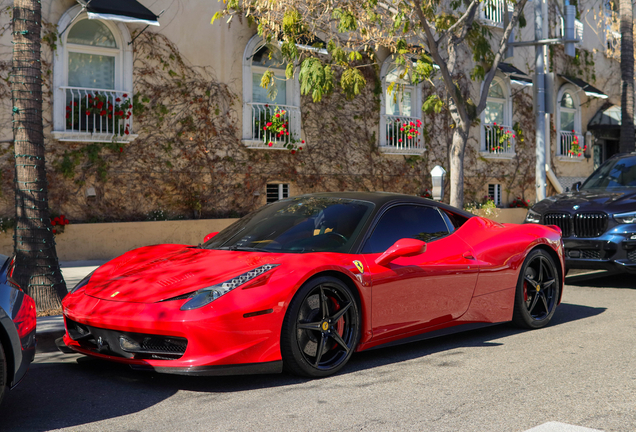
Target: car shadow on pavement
59,393
603,280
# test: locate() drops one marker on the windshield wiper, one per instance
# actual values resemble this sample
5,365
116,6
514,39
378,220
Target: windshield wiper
244,248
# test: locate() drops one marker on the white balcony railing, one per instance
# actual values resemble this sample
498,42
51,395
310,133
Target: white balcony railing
402,135
570,144
263,134
492,12
498,140
97,115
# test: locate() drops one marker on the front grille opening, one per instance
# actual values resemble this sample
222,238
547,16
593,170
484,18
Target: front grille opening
631,255
126,344
588,225
562,220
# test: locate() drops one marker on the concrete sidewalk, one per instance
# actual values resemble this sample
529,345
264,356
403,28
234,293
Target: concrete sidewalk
52,327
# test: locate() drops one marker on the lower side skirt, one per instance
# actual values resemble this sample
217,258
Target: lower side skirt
274,367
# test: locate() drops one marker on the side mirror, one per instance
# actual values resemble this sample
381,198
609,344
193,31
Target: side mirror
209,236
402,248
576,186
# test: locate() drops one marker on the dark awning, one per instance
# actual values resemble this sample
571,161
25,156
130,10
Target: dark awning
608,117
589,89
516,76
128,11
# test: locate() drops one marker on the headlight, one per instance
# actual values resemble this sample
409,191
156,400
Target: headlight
82,283
207,295
533,217
625,218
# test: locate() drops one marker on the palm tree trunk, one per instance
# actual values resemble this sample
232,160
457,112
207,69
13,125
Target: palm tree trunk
37,268
627,77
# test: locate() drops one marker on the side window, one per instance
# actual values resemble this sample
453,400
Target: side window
406,221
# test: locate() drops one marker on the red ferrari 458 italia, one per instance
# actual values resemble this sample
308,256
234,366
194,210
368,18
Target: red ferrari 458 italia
303,283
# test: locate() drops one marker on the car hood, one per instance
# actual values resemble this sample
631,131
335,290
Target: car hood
615,201
156,273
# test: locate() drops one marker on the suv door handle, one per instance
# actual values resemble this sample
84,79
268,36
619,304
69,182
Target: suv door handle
468,255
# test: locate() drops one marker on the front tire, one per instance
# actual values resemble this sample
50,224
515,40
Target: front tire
321,329
538,290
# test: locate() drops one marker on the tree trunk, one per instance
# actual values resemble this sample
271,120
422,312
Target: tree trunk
460,138
37,267
627,77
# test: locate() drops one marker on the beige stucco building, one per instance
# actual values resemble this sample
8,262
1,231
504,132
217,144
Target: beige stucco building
170,120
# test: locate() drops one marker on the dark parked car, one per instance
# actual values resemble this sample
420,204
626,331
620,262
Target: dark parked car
598,218
17,328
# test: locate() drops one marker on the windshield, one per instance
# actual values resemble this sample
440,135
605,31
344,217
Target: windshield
301,224
616,173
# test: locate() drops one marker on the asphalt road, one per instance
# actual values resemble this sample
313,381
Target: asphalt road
581,371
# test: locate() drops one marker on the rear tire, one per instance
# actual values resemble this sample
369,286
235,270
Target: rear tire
538,291
3,373
321,329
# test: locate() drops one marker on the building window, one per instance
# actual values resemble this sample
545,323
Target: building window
570,141
401,113
497,135
277,191
92,81
258,107
494,192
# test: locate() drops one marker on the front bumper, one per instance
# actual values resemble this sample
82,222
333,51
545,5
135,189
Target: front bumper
215,340
614,251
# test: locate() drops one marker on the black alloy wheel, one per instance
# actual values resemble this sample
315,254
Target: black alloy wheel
321,328
3,372
538,290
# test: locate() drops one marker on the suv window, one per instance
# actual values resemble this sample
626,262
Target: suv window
615,173
406,221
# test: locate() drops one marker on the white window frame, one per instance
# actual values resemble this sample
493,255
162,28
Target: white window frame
292,99
416,113
504,82
281,191
496,195
574,92
123,73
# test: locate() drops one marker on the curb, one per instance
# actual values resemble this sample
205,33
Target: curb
48,329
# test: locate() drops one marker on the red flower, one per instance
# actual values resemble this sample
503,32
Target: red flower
125,95
400,140
266,106
100,105
270,144
88,112
121,149
265,128
269,124
110,116
68,108
118,100
513,136
68,115
494,124
53,222
74,103
54,231
130,106
303,141
277,115
300,148
126,132
293,152
102,113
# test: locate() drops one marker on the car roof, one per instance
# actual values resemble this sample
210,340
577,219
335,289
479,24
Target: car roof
381,199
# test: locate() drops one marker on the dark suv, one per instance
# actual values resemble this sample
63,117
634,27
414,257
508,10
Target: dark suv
598,218
17,328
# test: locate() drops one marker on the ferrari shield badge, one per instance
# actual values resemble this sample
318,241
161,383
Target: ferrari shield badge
359,266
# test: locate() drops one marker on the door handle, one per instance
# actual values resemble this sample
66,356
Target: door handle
468,255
